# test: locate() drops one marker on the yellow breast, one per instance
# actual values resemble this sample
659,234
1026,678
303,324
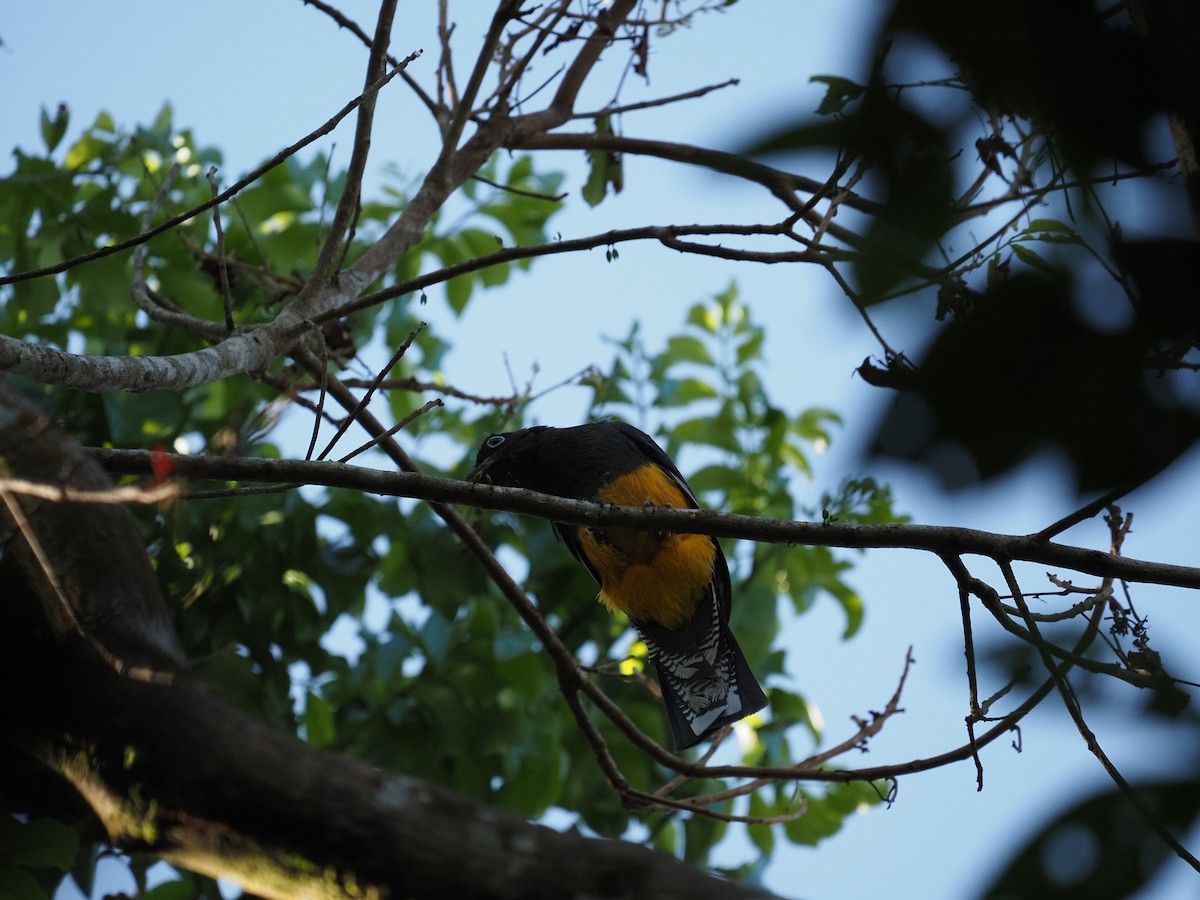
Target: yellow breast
647,575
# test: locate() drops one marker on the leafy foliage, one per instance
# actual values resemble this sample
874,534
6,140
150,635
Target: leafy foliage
358,624
1058,307
34,856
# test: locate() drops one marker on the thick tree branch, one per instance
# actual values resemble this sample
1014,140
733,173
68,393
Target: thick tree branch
280,817
285,819
241,353
85,560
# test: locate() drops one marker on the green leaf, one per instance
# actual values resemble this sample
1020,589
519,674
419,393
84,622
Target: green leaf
458,292
682,391
716,478
714,431
819,821
811,423
751,348
1040,225
701,835
171,890
754,618
794,457
83,872
838,92
596,185
763,836
16,884
703,316
665,838
53,129
606,169
852,606
688,349
1033,259
318,721
39,844
789,709
89,148
436,635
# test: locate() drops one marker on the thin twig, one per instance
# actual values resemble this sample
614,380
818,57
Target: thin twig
150,302
226,295
553,198
661,101
320,410
358,159
973,709
1071,702
660,233
1086,511
353,27
416,386
366,398
403,423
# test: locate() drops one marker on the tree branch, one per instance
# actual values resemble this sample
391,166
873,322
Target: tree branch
665,234
937,539
780,183
1071,702
349,200
344,21
282,818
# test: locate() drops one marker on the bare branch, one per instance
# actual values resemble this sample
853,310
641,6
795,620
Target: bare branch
344,21
936,539
399,426
662,101
660,233
223,270
371,388
1071,702
781,184
349,201
163,492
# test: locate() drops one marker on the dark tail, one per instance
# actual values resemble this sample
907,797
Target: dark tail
706,684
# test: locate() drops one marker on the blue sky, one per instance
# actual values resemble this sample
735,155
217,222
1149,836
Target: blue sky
250,78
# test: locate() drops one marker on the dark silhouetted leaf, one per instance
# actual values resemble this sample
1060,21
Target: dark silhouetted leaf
1101,847
1021,373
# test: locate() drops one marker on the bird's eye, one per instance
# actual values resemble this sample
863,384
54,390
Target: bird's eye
494,441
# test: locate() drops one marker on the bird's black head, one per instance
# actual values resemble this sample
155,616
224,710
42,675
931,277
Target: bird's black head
501,456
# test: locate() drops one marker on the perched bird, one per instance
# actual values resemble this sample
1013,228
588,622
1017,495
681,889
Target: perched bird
673,587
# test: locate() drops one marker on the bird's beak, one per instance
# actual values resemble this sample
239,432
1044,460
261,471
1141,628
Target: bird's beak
479,473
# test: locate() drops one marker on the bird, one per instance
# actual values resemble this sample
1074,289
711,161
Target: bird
674,588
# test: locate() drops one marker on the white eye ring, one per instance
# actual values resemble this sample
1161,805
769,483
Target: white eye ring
494,441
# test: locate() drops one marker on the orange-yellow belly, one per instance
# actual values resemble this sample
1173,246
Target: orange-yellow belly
649,576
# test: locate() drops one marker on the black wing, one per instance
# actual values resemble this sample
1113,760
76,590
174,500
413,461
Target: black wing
655,454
